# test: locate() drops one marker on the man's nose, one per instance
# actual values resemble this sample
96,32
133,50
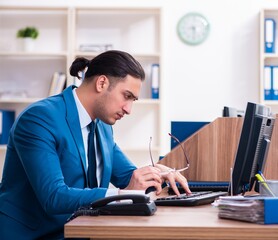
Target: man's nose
127,107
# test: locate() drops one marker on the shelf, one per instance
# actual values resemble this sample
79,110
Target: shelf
27,10
270,55
33,54
135,55
19,100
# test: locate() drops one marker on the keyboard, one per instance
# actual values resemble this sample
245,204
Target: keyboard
200,186
194,199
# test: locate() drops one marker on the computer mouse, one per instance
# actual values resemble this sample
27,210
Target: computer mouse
150,189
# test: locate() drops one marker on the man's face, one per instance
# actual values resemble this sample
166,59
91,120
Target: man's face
114,103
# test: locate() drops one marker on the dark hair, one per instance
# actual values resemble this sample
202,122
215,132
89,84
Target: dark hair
113,63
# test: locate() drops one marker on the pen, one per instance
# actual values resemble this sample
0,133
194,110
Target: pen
269,188
262,175
264,184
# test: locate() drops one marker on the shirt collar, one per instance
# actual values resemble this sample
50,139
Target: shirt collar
84,117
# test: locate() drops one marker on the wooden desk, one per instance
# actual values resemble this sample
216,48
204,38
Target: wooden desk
169,223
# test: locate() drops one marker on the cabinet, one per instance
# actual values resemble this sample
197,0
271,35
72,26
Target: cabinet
26,76
267,59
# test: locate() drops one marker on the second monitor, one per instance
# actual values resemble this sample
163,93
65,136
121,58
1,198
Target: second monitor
252,149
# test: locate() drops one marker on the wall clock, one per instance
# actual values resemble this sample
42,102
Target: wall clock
193,28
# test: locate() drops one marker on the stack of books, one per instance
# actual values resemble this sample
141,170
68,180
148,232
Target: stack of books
58,83
262,210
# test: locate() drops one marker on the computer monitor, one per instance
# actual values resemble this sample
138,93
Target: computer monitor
232,112
252,148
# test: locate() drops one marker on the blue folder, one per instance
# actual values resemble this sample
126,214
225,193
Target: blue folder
268,83
270,34
7,118
274,82
155,81
271,210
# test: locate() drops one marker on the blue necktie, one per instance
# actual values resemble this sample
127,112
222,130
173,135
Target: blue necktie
92,179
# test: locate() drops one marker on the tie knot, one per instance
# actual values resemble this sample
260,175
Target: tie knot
91,126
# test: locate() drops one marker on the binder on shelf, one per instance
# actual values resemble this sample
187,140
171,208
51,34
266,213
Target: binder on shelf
155,80
275,82
268,89
57,84
270,35
262,210
7,118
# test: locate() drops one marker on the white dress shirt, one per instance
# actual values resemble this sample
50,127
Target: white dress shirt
85,120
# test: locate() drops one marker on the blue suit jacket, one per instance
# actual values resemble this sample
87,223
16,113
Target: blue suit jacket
44,176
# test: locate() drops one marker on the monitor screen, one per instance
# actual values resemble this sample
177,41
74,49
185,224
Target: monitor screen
232,112
252,148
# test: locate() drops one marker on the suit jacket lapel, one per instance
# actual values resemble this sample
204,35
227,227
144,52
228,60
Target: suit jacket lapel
74,125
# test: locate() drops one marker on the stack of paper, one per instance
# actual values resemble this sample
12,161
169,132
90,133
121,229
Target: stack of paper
262,210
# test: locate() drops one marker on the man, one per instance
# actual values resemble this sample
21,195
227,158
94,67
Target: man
45,177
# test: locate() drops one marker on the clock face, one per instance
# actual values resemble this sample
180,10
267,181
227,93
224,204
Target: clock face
193,28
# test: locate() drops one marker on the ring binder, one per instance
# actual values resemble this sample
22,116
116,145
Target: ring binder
268,89
155,81
270,34
7,118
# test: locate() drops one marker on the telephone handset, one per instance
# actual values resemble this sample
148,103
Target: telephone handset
139,205
136,198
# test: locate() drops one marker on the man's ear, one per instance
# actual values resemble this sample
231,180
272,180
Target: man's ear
102,83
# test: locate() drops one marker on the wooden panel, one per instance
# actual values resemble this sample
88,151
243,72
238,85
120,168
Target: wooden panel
271,167
212,150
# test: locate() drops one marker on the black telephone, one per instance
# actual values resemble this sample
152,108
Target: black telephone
140,205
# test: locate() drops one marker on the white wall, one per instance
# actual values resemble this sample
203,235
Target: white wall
200,80
224,70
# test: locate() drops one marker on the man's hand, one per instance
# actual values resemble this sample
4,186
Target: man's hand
145,177
149,176
167,174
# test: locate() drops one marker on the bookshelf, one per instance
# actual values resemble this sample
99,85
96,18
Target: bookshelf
267,59
26,76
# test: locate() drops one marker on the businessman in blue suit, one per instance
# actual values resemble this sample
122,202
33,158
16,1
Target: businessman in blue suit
45,172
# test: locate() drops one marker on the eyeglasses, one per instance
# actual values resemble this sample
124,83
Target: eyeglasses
171,169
